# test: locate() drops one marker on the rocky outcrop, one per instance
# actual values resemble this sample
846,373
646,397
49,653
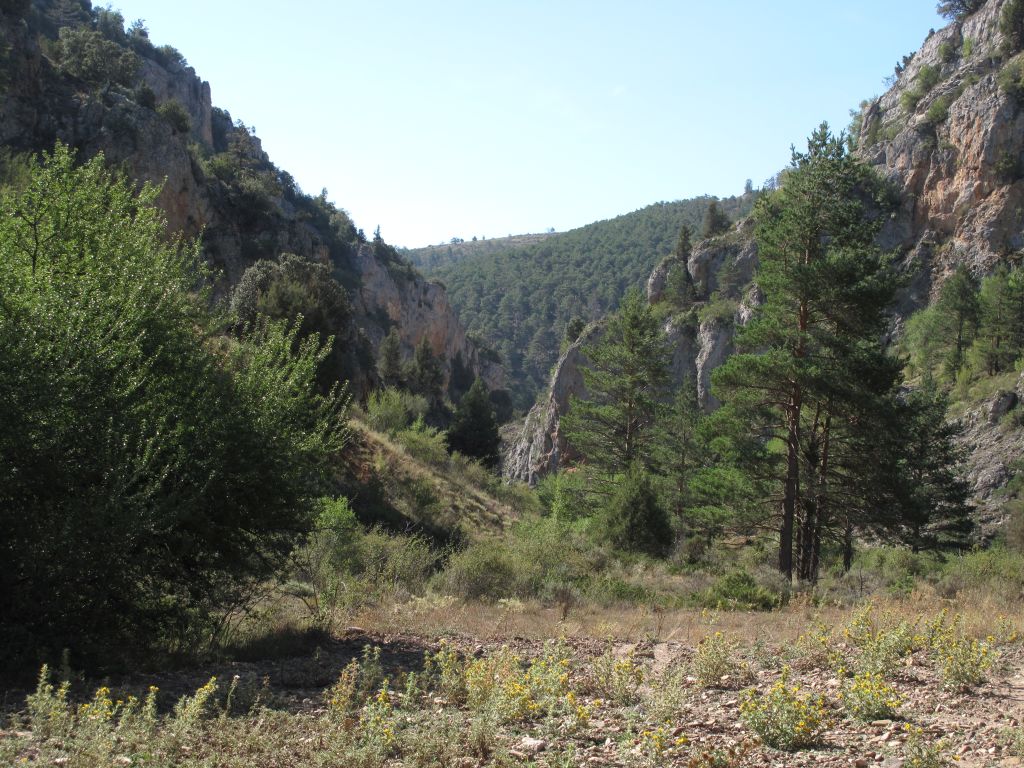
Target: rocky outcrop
536,446
40,105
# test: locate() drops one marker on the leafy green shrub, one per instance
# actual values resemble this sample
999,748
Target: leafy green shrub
1007,167
391,410
938,111
633,519
176,116
718,310
784,717
149,477
967,48
947,51
88,56
1011,24
485,570
1011,77
739,591
927,78
424,443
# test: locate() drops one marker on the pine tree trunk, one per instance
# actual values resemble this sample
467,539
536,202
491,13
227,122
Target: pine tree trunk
792,489
848,547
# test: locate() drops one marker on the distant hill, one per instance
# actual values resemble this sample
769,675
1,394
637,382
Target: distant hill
431,258
519,294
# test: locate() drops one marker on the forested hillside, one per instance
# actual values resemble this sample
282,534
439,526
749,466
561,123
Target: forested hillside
520,300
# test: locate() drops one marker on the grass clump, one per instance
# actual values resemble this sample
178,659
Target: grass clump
927,78
739,591
785,717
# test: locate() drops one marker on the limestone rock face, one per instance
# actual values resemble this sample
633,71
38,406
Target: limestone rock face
536,446
39,106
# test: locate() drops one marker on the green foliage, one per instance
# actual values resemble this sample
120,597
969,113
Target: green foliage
958,9
927,78
716,221
176,116
785,717
98,62
519,295
391,410
474,429
967,48
423,374
937,338
739,591
302,292
389,360
633,519
1000,338
938,111
425,443
149,474
811,372
1011,77
1011,24
625,379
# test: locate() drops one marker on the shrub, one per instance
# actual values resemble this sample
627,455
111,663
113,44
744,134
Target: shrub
1011,24
391,410
938,111
739,591
922,751
485,570
633,519
618,680
85,54
1011,77
713,659
176,116
149,478
967,48
784,717
868,697
963,662
424,443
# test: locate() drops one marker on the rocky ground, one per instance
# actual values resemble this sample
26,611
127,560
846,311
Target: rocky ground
661,709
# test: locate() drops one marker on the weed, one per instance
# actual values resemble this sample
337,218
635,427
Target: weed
784,717
964,662
447,672
921,752
867,697
618,680
713,659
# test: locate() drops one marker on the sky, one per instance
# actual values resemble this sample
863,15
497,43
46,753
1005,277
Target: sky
467,118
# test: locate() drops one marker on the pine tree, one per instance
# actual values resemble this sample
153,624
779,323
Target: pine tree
825,289
474,428
423,375
937,511
959,309
632,519
1000,339
389,360
625,380
716,221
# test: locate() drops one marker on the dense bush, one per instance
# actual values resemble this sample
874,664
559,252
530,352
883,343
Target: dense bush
176,116
150,473
90,57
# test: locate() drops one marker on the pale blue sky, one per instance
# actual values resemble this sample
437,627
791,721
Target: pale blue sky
463,118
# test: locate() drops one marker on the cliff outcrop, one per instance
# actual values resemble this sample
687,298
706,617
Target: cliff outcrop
217,182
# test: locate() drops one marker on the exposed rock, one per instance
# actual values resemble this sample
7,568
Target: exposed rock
1000,405
535,447
39,105
659,278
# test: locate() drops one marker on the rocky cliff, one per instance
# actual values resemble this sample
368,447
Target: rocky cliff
951,141
217,182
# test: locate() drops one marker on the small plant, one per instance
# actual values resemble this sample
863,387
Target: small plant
816,650
964,662
190,709
447,671
377,726
713,659
48,710
967,48
921,752
618,680
868,697
658,745
667,696
784,717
